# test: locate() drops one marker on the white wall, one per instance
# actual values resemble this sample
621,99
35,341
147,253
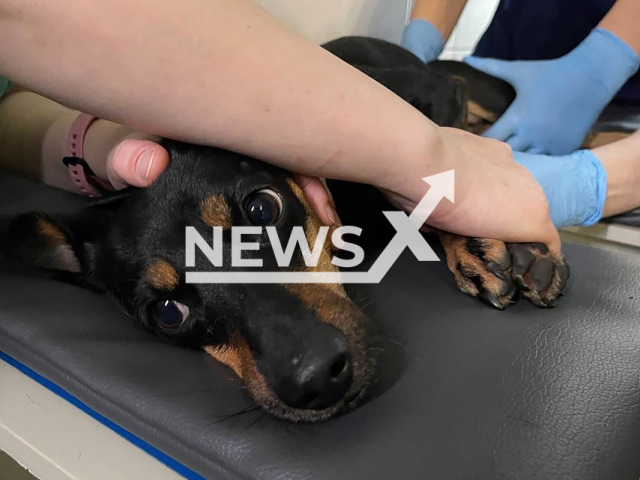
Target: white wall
473,22
378,18
323,20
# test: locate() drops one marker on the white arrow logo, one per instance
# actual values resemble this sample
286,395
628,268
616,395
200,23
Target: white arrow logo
407,236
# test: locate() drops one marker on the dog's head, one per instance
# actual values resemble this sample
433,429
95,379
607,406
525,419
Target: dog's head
301,349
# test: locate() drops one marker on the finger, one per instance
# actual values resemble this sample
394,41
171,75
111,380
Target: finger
136,163
537,225
502,129
517,143
326,187
535,151
553,242
318,196
498,68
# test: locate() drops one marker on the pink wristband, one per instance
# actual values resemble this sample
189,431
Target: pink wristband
79,171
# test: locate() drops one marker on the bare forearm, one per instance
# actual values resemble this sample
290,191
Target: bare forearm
225,73
33,135
622,20
444,14
621,160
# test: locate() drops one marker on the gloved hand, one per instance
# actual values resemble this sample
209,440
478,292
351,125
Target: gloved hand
422,39
575,185
559,100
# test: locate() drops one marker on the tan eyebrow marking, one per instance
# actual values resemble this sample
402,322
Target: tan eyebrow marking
215,212
161,275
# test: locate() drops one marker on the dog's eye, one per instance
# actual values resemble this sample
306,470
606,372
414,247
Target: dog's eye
264,207
169,314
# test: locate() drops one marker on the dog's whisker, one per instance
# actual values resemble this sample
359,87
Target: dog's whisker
396,342
234,415
194,392
260,417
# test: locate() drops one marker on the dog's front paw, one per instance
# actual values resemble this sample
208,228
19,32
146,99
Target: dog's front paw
481,267
494,271
538,274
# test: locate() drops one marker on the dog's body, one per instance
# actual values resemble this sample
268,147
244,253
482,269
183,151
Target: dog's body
302,350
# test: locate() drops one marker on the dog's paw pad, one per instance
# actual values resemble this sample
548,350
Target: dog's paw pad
539,275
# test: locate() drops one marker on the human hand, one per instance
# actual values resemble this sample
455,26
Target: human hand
422,39
319,197
575,185
494,196
138,160
135,162
559,100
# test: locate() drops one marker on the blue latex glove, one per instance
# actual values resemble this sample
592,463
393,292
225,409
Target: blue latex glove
575,185
558,101
422,39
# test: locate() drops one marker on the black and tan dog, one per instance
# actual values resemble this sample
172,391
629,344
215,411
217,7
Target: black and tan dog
303,351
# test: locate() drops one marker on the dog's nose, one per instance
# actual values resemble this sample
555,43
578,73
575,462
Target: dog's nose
320,377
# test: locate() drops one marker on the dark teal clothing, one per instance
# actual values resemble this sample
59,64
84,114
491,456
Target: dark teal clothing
547,29
4,86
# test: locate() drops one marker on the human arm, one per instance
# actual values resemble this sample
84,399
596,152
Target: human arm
588,185
621,161
211,78
443,14
34,132
431,25
622,20
558,100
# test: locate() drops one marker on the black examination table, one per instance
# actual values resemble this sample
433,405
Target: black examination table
466,392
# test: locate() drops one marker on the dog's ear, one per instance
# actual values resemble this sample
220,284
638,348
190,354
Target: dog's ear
62,242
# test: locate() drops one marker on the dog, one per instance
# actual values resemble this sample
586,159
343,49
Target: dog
304,351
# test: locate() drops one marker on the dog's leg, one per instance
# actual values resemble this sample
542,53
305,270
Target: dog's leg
494,271
481,268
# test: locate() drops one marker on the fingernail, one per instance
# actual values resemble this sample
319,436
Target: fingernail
333,216
144,163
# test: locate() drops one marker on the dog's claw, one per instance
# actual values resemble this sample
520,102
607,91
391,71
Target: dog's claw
482,268
520,283
497,302
498,270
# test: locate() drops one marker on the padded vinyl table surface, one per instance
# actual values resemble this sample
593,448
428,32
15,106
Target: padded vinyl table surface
465,392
